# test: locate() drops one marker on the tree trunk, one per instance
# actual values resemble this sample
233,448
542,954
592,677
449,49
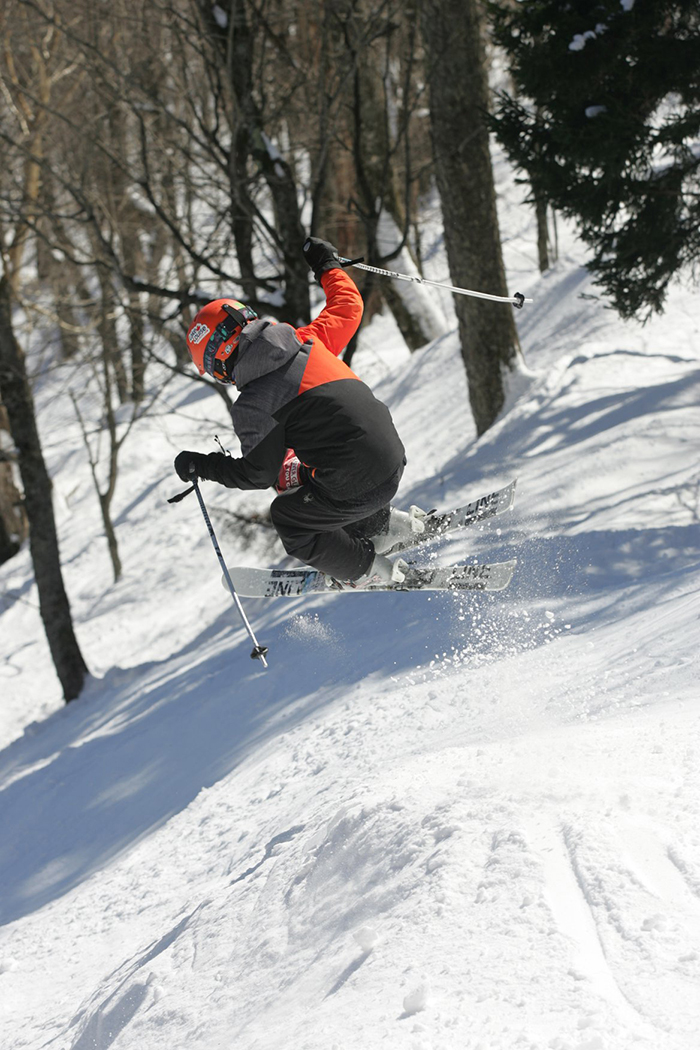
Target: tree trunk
459,100
43,541
107,328
542,234
13,519
542,229
251,142
13,522
8,543
111,536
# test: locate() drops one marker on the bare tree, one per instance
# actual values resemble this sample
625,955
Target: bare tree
368,144
43,540
31,73
459,103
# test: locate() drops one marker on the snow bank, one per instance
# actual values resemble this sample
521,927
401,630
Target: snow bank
436,821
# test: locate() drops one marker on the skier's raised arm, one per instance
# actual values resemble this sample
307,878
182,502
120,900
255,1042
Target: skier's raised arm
340,318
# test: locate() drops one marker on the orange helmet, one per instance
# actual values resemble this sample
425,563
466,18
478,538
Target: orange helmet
212,338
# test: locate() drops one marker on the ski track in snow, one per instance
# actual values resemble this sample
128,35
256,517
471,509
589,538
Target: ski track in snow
606,906
436,822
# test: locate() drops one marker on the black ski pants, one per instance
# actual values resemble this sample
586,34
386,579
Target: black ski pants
333,535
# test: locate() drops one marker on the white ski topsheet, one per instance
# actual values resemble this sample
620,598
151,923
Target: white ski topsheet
439,523
292,583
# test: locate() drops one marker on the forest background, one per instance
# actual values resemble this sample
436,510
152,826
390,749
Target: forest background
157,155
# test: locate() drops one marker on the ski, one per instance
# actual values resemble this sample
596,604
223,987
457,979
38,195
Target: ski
292,583
438,523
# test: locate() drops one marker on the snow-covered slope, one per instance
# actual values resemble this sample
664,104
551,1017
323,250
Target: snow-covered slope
436,821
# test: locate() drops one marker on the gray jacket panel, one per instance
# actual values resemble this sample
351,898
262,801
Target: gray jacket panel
268,374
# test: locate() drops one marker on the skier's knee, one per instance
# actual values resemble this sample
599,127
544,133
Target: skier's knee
298,546
297,543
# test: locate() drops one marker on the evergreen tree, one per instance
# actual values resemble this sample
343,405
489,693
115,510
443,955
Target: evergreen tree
607,128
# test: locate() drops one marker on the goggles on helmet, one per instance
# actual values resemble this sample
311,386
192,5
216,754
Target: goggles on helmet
219,354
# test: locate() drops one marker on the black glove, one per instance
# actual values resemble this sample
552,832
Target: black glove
190,465
321,256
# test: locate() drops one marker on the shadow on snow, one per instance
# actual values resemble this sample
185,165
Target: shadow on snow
138,747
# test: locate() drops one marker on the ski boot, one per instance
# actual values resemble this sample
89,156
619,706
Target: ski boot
382,570
402,525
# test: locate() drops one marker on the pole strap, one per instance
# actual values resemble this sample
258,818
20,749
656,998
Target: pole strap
181,495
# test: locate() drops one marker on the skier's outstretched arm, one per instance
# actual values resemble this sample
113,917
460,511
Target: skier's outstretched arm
259,469
340,318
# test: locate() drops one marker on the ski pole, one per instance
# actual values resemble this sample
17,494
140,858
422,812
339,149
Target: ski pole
259,651
515,300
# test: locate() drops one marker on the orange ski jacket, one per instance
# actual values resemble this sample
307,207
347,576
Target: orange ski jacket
295,392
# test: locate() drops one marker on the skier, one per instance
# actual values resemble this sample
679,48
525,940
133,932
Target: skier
310,427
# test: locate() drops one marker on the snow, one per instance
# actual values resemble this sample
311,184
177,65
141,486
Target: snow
220,16
435,821
418,300
580,39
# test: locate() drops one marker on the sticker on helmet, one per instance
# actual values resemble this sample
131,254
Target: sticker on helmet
199,332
